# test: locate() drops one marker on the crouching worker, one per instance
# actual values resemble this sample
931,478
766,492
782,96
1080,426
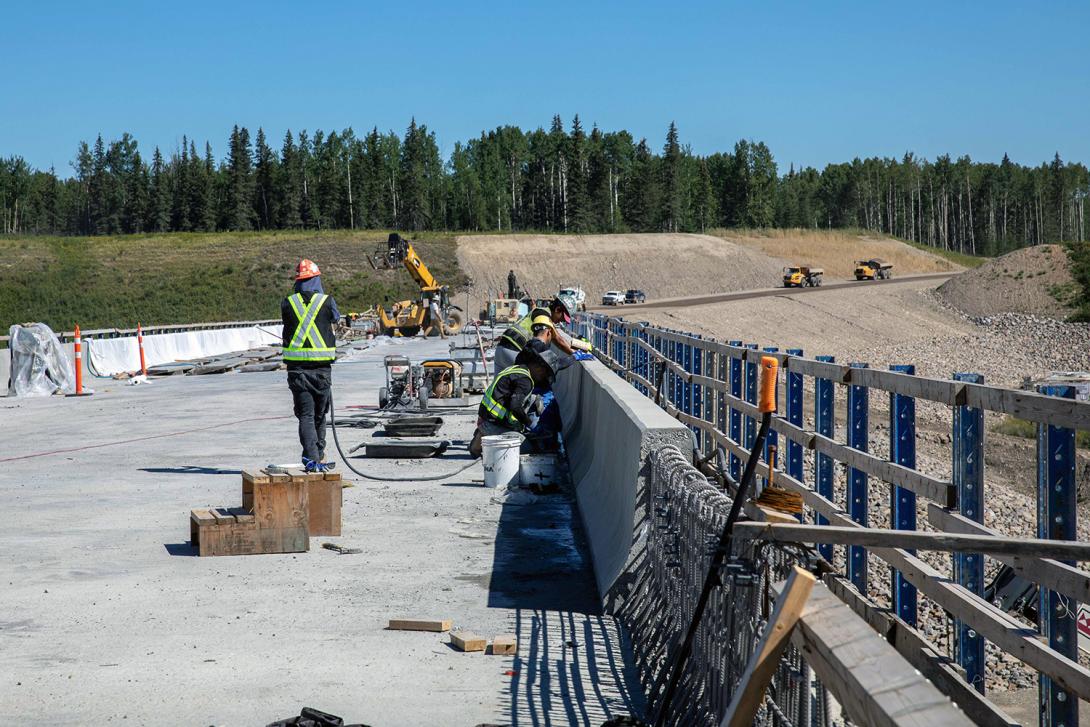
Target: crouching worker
509,403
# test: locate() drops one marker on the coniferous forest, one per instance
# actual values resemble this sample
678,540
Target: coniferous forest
564,179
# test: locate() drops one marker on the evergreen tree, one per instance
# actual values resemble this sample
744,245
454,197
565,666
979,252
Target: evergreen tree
159,209
671,181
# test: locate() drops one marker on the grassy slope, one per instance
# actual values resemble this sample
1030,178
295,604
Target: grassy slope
185,278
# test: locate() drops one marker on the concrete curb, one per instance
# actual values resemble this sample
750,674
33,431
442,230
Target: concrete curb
610,429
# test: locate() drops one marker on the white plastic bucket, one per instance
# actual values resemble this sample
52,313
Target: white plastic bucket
501,459
544,470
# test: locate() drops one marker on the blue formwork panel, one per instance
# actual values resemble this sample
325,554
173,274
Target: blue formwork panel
968,478
1056,520
752,373
857,495
825,424
794,416
902,451
736,381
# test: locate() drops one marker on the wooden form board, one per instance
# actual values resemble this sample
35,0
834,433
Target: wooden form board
467,641
324,501
874,684
749,692
417,624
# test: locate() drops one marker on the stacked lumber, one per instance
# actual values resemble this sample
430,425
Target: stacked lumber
279,513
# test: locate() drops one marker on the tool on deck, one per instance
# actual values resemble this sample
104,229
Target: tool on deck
343,550
766,405
775,497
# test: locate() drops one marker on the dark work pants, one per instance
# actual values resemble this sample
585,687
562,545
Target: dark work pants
310,392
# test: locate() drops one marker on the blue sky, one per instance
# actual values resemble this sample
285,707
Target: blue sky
817,81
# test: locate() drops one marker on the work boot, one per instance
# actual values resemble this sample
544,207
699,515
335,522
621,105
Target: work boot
310,465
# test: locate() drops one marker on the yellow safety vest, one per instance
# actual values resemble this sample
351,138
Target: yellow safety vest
521,332
306,343
497,410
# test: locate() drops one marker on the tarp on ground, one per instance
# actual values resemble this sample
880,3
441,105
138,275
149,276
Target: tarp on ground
39,365
109,356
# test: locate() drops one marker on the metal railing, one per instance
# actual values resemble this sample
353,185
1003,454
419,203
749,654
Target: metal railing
712,387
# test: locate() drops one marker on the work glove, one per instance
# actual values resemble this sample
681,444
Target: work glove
539,405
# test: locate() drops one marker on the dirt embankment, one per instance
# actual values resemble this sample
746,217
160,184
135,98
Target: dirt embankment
836,251
1033,281
662,265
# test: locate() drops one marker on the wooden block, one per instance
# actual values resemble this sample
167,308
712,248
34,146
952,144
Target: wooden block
332,476
324,499
232,539
277,477
414,624
505,645
242,515
467,641
282,504
197,518
223,516
250,477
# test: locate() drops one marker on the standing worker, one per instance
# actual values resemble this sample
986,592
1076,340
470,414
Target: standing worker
512,285
309,351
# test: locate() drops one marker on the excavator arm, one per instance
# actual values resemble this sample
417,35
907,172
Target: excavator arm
400,250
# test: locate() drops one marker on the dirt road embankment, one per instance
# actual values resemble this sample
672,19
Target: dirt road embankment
662,265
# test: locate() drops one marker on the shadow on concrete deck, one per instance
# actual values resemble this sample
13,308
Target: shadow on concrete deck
574,664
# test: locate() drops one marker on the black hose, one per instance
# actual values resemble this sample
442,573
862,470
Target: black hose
344,457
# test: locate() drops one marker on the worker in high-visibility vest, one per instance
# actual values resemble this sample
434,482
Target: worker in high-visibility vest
515,338
309,351
509,401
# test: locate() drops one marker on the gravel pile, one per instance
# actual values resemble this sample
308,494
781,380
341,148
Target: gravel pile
1024,281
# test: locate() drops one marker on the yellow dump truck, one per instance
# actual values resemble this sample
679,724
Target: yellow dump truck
802,276
873,269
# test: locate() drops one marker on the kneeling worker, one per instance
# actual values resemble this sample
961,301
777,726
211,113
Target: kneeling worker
309,352
509,400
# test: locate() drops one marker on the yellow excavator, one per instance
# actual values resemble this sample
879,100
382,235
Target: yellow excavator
407,317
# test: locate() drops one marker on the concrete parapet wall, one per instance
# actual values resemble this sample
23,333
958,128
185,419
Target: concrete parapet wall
610,429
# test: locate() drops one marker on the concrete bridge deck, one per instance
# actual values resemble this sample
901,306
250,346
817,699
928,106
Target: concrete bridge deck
107,616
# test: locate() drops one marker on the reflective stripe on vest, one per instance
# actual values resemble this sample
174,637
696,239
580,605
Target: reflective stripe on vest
497,410
306,343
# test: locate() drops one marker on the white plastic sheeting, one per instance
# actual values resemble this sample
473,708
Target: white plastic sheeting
39,365
108,356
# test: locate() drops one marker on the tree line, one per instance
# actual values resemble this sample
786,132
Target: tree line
564,179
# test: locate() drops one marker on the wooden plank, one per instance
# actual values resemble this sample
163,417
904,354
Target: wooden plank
750,690
505,645
873,683
996,626
229,539
254,476
940,390
223,516
819,369
197,519
282,503
277,477
416,624
947,676
913,539
1030,405
1060,577
242,515
934,489
324,501
467,641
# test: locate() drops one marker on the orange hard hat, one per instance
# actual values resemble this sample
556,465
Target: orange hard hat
307,269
